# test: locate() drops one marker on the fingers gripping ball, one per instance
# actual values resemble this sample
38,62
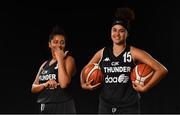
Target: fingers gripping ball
93,72
141,74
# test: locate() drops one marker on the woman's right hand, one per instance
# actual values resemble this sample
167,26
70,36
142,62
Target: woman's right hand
51,84
88,85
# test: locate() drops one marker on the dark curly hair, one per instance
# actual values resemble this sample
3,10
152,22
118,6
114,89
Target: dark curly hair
57,30
123,16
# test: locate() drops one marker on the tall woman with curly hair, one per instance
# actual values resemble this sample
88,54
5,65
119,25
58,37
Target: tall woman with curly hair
119,94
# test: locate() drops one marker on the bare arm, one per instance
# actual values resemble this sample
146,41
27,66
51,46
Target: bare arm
96,58
159,70
66,69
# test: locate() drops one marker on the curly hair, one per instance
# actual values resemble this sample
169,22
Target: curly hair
123,16
56,31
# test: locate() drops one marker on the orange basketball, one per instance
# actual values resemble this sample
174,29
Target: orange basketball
93,71
141,74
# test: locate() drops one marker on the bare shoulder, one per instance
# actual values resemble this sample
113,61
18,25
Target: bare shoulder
96,58
140,55
99,52
136,51
70,58
70,61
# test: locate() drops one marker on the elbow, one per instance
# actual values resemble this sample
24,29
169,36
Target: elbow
64,85
82,86
82,82
33,90
165,72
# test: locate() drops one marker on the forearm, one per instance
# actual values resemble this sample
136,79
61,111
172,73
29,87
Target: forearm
158,75
84,85
36,88
63,77
82,80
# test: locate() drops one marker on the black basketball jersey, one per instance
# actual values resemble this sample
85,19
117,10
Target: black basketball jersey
117,88
51,95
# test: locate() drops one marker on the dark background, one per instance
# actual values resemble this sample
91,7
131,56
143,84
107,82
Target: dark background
25,27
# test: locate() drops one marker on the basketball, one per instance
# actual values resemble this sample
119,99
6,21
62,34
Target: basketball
93,71
141,74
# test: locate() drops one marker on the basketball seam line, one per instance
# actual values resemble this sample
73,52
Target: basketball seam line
139,76
91,71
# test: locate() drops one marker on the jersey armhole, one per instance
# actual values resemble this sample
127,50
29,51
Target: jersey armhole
40,69
130,49
44,64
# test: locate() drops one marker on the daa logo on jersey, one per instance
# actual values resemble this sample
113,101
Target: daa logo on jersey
121,79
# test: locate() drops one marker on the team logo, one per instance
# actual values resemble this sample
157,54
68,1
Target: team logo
107,59
121,79
115,63
114,110
42,107
47,77
44,71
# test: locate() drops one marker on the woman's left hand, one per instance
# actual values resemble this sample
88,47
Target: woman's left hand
138,87
52,84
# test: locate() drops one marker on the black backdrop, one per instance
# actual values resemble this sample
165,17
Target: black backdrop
24,47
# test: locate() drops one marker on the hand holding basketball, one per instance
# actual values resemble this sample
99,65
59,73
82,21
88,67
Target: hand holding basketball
92,76
140,76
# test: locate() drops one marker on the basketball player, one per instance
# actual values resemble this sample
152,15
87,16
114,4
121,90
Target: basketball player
54,76
119,94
